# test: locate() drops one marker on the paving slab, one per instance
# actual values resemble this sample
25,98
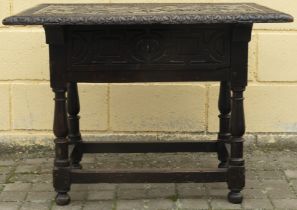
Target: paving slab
193,204
252,204
285,203
9,205
35,206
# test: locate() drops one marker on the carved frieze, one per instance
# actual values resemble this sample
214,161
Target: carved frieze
150,46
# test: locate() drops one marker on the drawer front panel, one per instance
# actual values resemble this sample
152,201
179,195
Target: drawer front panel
148,48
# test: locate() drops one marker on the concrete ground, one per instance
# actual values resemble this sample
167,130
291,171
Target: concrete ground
26,182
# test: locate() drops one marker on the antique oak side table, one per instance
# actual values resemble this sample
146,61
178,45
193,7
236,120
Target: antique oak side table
116,43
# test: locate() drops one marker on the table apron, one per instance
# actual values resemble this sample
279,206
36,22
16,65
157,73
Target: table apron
149,76
147,53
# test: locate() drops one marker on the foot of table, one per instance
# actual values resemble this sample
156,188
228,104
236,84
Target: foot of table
62,198
235,197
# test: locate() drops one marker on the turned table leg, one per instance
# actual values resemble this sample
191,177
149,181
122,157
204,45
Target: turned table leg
73,124
241,35
236,171
61,172
224,133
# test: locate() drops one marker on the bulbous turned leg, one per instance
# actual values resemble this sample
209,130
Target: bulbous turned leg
236,169
74,135
61,172
224,133
241,35
62,198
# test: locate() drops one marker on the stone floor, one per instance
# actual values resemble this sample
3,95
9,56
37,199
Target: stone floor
271,183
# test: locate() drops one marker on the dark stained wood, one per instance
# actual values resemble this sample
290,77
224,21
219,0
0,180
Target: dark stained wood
148,48
148,53
60,129
148,76
74,135
149,176
105,43
73,109
236,172
55,38
239,67
224,132
61,176
78,55
146,147
147,14
61,171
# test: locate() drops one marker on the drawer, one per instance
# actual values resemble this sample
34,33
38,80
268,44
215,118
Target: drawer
147,49
151,47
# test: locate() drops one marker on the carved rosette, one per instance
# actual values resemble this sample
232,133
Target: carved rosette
147,48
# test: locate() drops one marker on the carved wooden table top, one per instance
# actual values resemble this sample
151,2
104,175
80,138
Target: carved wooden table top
123,14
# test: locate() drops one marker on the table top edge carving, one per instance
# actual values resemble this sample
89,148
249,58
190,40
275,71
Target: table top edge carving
147,13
